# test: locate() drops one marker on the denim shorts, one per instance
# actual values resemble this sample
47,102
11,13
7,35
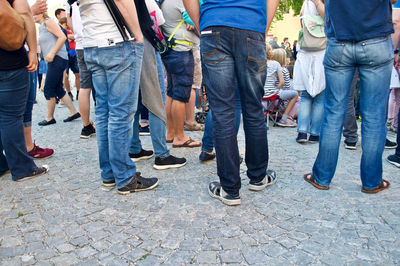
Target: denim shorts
85,74
180,67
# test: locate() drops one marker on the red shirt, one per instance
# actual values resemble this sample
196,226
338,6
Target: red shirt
72,43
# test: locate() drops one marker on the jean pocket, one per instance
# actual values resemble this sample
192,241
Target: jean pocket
210,48
256,58
378,51
334,53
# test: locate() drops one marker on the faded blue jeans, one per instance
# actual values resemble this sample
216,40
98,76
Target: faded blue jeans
229,55
311,112
374,59
115,74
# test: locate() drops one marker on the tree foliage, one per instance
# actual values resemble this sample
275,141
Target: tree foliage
286,5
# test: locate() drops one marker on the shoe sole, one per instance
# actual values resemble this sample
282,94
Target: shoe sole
282,125
350,147
87,137
142,158
394,163
38,158
224,201
138,190
302,141
33,176
390,147
144,134
313,141
164,167
259,188
109,185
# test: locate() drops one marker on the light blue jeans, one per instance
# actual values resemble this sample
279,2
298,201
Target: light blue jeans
115,74
374,59
157,126
311,112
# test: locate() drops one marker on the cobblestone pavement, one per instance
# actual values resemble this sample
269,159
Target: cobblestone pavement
65,217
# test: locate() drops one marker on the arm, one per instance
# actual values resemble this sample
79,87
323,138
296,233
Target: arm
281,80
39,7
320,7
128,11
22,7
193,9
53,28
272,5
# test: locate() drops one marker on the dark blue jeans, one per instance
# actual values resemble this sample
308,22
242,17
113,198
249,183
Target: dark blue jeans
31,99
14,90
232,56
208,136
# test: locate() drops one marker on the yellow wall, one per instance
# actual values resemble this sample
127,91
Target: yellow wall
288,27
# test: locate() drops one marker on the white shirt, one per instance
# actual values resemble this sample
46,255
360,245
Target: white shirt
99,29
76,24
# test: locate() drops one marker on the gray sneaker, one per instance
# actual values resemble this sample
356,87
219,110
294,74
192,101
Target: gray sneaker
268,180
217,192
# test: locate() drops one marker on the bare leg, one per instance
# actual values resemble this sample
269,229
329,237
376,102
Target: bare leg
190,107
170,119
290,105
28,138
68,102
51,105
77,82
178,111
84,105
66,81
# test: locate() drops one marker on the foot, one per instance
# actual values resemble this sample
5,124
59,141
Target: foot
144,131
301,138
350,145
390,144
206,156
394,159
268,180
217,192
138,183
35,173
88,131
72,117
190,143
287,123
168,162
193,127
40,153
46,123
313,139
142,155
384,185
310,179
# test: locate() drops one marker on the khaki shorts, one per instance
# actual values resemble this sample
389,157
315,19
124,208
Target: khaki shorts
197,76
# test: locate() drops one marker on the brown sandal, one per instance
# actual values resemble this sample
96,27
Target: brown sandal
310,179
193,127
187,144
384,185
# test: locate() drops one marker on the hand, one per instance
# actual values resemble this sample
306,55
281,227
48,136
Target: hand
49,58
39,7
139,39
190,27
33,62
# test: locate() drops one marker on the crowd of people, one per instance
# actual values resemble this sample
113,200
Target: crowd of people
149,64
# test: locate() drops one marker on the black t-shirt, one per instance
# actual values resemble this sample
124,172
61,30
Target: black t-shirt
15,59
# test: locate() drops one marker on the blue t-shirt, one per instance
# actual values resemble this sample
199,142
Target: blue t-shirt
397,5
357,20
243,14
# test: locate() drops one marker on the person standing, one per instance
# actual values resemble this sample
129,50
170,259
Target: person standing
360,40
233,50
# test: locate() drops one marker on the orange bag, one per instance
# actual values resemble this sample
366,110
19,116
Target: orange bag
12,29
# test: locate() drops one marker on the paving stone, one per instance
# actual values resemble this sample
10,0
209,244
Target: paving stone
85,252
207,257
231,256
119,249
65,248
65,259
11,251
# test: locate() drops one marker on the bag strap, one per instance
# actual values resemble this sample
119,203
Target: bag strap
174,32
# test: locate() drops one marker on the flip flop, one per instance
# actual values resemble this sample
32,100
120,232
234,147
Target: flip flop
310,179
187,144
384,185
169,140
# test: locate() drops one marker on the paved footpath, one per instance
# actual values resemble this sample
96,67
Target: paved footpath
65,218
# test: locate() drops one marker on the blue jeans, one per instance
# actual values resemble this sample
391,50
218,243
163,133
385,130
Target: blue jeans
208,136
230,55
374,59
115,73
31,99
14,90
311,112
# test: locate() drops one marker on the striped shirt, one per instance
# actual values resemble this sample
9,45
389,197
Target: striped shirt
270,87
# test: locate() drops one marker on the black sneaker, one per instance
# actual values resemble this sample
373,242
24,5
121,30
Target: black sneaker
301,138
71,96
142,155
206,156
138,183
390,144
109,183
350,145
268,180
35,173
168,162
72,117
216,191
144,131
313,139
46,123
394,159
88,131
